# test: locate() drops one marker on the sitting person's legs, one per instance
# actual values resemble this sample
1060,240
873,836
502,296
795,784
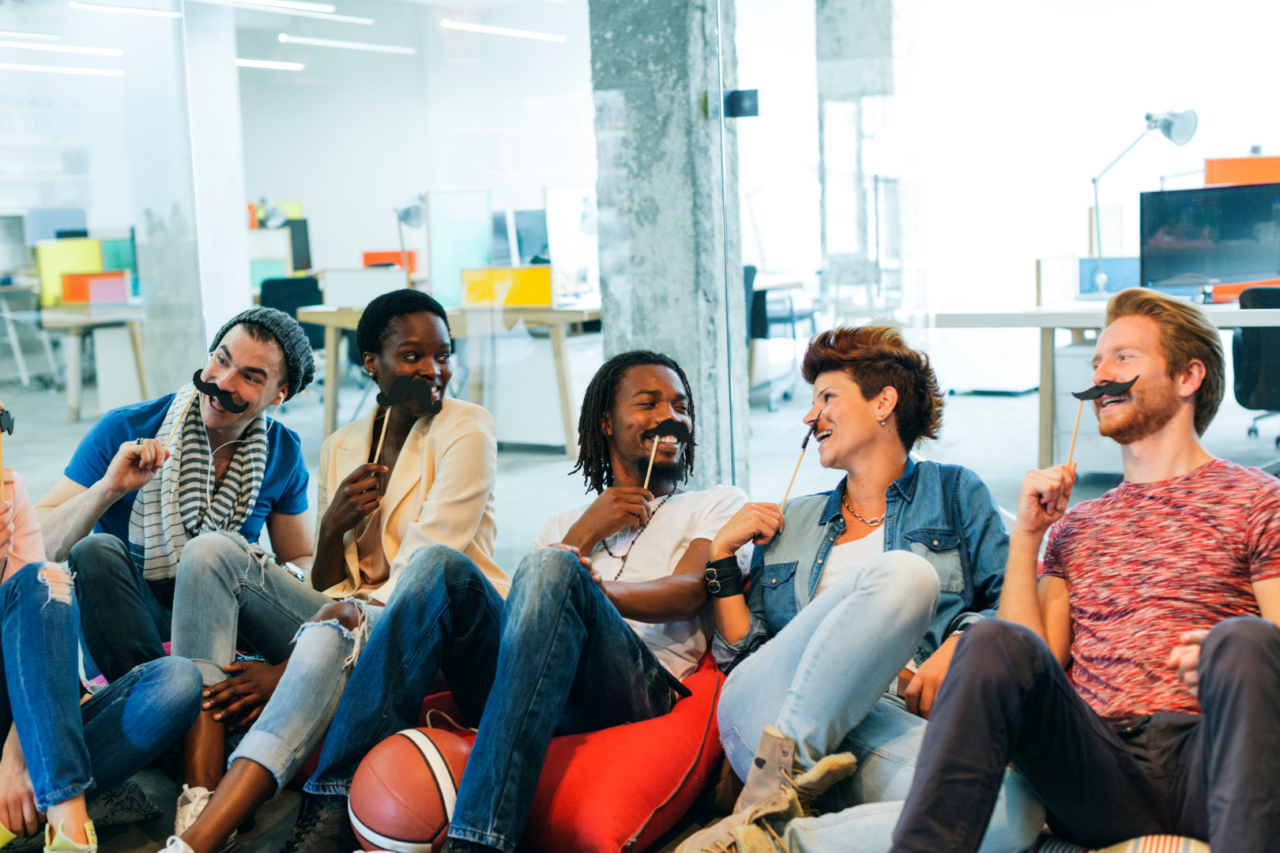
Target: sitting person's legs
443,614
822,673
226,592
1006,698
566,654
73,750
124,624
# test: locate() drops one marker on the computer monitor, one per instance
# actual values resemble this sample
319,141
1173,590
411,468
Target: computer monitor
1213,235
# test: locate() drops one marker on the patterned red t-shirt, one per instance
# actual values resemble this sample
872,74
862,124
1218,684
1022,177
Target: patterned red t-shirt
1147,561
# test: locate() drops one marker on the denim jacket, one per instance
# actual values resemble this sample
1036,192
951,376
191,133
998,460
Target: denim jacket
944,513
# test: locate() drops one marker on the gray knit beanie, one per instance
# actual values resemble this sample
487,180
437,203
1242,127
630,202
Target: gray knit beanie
293,341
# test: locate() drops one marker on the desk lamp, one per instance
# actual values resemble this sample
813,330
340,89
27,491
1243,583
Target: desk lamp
412,214
1178,128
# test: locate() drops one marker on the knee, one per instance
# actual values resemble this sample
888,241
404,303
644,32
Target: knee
434,564
98,555
174,690
910,583
44,582
547,574
344,613
1236,646
209,550
995,649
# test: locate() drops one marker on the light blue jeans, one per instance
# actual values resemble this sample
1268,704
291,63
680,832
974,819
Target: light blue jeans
821,681
443,614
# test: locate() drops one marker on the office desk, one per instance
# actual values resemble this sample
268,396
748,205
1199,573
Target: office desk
1077,316
75,319
464,323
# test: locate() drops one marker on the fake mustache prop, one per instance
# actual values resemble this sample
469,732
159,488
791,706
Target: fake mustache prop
224,398
401,389
804,445
419,388
1106,389
6,425
670,427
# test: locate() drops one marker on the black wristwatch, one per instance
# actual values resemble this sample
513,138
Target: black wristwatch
723,577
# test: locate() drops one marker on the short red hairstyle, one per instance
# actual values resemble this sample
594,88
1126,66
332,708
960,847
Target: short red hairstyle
877,357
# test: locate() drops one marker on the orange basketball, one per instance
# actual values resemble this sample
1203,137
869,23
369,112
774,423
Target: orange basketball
403,793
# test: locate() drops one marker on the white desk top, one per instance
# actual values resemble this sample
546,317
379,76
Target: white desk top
1088,315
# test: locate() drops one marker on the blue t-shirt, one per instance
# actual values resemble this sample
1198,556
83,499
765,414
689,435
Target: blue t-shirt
284,483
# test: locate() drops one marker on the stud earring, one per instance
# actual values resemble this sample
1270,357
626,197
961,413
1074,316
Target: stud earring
883,422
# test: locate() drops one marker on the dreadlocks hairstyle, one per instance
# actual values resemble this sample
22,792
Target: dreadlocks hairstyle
593,445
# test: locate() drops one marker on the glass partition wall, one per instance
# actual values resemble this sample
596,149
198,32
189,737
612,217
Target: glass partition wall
99,279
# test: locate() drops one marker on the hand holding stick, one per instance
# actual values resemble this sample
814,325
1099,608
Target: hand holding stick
803,446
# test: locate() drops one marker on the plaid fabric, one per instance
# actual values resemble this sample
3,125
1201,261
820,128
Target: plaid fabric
1146,844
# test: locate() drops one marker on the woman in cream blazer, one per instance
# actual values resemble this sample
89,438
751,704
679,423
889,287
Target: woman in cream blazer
441,490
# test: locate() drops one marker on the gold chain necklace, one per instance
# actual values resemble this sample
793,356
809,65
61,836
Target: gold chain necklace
869,522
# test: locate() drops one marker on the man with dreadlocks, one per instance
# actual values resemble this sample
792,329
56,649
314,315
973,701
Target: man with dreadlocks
609,612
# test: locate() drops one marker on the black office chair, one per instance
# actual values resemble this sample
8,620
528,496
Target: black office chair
290,294
1255,355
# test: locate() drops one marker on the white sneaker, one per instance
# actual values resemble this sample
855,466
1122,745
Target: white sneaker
191,802
177,845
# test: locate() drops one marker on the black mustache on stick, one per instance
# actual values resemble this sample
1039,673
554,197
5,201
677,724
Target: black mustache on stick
224,398
6,421
671,427
1106,389
419,388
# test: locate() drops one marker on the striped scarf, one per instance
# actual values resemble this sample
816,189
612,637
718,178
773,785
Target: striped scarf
181,502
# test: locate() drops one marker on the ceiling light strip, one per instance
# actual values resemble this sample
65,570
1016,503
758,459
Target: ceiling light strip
124,10
62,48
267,63
500,31
301,13
59,69
39,36
347,45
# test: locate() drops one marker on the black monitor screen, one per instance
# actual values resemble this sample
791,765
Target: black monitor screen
1214,235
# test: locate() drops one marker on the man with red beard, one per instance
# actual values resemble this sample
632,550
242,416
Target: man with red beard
1135,683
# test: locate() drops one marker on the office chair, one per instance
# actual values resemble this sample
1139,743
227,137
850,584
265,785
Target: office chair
290,294
1255,355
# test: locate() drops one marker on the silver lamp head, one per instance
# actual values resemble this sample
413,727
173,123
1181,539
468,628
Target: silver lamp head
272,216
1177,127
412,214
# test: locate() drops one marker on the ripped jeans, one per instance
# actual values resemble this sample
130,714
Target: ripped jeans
71,748
443,615
224,592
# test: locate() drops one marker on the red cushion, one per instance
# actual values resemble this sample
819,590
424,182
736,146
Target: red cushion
620,789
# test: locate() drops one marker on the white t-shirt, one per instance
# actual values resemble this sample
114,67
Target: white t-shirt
843,559
654,554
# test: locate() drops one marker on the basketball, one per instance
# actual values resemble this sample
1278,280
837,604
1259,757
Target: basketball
403,793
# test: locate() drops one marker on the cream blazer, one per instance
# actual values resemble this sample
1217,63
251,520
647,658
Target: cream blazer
441,490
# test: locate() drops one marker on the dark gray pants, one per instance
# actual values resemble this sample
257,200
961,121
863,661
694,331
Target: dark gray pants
1006,699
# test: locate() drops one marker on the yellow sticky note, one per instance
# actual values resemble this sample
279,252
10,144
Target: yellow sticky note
55,257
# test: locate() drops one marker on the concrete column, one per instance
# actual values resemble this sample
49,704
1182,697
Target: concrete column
217,154
664,246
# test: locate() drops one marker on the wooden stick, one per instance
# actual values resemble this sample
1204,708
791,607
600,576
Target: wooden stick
803,448
182,419
386,419
652,455
1,466
1072,451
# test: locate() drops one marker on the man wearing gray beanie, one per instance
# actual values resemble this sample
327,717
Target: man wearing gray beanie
181,484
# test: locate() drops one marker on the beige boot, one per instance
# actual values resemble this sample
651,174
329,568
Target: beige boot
751,828
747,831
774,769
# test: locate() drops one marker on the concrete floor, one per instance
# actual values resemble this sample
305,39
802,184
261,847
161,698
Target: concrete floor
995,436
